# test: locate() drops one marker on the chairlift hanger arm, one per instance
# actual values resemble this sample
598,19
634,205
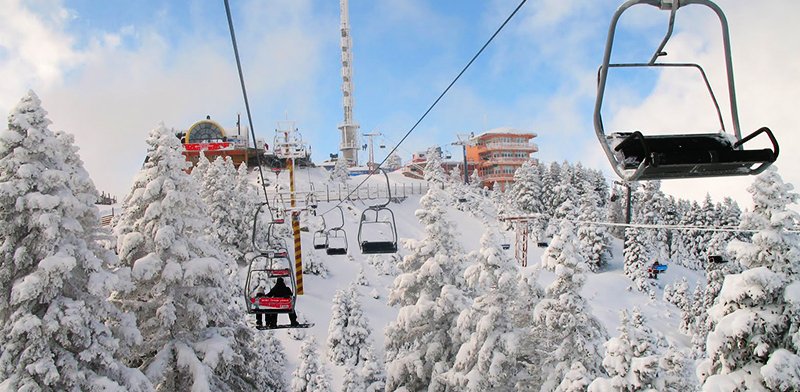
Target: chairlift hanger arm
687,159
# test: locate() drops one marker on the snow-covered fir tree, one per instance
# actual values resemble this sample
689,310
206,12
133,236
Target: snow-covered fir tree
432,262
194,338
314,265
434,171
310,375
566,211
244,203
394,162
348,331
487,360
637,259
594,240
366,375
564,329
526,191
419,344
632,361
218,191
652,210
555,250
576,380
340,174
59,332
384,264
755,345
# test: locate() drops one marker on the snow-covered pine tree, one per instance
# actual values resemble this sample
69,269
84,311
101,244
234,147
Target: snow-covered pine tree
526,191
366,375
564,327
310,375
631,360
314,265
59,332
200,168
675,375
754,345
419,342
218,190
340,174
475,180
394,162
384,264
246,198
184,300
576,380
566,211
372,372
487,360
636,260
348,331
434,172
652,211
594,240
432,262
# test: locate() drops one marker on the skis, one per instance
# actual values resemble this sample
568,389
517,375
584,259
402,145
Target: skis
284,326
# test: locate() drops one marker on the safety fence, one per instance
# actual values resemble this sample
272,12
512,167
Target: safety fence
340,192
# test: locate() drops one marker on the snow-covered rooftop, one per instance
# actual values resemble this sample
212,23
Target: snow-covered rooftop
506,130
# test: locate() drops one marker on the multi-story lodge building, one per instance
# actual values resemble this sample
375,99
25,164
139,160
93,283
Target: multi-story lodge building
498,153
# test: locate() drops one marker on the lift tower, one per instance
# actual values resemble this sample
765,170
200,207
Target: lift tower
348,128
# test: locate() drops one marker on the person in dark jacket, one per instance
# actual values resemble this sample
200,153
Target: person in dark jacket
280,290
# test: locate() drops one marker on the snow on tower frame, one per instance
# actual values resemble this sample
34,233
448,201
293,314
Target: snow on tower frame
636,156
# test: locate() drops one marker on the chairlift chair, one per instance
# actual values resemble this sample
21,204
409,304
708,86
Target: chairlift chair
636,156
371,239
716,259
337,238
260,273
320,239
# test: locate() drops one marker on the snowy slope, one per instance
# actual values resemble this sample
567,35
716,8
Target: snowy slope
607,292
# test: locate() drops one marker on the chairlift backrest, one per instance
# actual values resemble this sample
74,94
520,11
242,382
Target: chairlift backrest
635,156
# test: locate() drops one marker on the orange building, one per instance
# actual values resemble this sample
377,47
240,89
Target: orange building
498,153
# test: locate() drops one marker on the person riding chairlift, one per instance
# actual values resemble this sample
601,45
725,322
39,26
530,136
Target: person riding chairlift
280,290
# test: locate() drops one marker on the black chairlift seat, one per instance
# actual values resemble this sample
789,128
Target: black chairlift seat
373,247
382,216
337,238
320,239
636,156
691,155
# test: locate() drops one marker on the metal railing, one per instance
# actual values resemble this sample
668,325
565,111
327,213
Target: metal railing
339,192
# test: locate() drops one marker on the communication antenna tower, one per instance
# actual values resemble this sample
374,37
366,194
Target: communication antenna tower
348,128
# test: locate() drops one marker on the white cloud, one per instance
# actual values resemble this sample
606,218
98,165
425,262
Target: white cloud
113,91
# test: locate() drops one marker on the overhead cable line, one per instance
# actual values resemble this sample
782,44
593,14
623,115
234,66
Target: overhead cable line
246,102
446,90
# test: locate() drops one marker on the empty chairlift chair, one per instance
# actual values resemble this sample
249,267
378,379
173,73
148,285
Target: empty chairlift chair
320,239
337,238
377,230
635,155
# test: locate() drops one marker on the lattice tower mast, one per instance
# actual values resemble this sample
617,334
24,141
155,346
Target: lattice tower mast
348,128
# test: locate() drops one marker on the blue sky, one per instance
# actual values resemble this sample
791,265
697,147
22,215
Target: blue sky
110,71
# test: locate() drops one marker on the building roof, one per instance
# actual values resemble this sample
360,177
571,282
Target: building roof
505,131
